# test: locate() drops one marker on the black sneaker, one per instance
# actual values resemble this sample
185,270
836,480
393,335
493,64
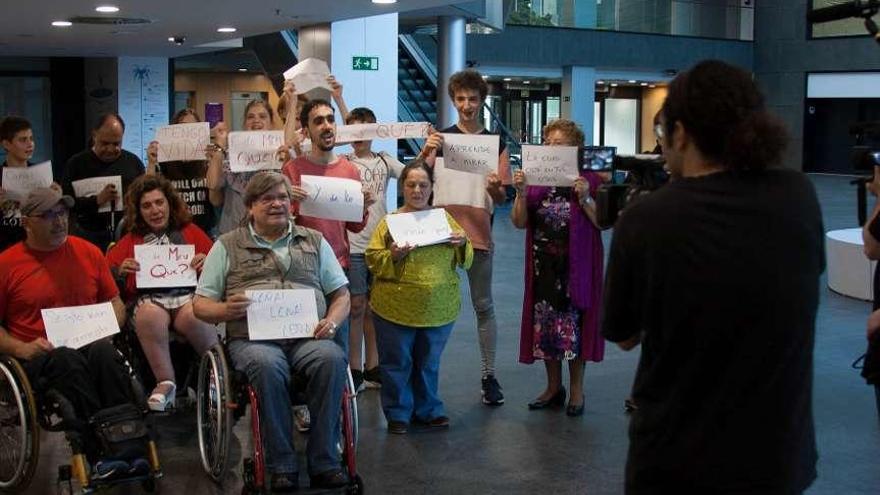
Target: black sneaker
372,378
357,376
492,395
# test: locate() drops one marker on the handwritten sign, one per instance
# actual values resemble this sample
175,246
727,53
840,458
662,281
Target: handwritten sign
281,314
419,228
393,130
452,187
183,142
254,150
18,182
472,153
309,74
550,165
84,188
77,326
165,265
332,198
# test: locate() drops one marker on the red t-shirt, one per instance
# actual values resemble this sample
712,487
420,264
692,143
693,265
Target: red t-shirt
75,274
332,230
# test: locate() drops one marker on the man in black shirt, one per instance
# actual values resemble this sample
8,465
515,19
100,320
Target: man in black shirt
105,158
717,275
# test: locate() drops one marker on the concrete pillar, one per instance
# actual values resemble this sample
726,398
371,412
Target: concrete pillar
143,100
314,41
578,96
451,51
374,36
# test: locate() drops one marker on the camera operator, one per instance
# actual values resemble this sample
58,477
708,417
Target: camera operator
717,274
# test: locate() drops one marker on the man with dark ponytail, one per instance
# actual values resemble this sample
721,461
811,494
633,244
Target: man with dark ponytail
717,275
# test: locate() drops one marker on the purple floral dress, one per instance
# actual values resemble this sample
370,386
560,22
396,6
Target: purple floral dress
556,322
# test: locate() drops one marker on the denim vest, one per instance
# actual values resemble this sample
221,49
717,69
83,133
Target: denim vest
254,267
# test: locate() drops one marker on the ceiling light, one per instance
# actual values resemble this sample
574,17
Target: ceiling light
652,86
508,79
613,85
632,81
107,9
527,82
242,69
384,2
226,30
62,24
600,82
485,77
644,84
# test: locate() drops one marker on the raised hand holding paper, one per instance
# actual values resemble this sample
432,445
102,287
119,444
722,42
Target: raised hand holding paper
390,130
165,266
550,165
472,153
250,151
18,182
309,74
419,228
183,142
332,198
84,188
77,326
281,314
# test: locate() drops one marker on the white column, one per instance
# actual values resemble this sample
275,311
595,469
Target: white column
376,89
451,52
578,94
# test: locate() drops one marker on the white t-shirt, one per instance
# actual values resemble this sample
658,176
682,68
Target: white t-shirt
375,173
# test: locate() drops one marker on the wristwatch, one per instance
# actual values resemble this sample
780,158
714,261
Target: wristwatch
586,200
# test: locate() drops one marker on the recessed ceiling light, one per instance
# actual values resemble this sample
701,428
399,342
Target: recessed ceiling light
384,2
652,86
242,69
485,77
527,82
632,81
62,24
600,82
613,85
644,84
107,9
508,79
226,30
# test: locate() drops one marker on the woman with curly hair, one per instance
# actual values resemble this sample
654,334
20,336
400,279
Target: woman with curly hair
154,215
563,275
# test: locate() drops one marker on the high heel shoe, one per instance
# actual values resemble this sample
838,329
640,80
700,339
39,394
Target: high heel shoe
158,401
557,400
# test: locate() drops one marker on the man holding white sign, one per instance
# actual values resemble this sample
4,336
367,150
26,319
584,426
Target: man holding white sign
468,90
320,123
271,253
53,270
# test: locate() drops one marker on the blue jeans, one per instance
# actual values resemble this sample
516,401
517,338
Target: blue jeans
268,366
409,360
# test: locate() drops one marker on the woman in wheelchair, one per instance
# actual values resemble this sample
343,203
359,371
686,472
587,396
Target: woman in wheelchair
50,269
271,252
155,214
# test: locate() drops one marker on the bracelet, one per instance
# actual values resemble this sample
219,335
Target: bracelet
586,200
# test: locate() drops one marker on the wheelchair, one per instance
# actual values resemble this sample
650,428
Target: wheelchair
222,398
22,414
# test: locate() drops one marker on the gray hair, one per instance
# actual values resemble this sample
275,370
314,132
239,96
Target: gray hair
263,182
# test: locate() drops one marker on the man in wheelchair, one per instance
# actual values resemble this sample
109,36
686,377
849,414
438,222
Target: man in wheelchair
271,252
50,269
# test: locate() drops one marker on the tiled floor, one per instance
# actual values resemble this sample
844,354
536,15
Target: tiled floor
512,450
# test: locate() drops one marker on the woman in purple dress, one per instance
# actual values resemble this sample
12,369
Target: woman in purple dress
563,275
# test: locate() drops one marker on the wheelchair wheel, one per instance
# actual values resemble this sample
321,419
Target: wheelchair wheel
19,430
349,437
213,414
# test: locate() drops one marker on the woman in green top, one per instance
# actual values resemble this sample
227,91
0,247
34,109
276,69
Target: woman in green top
415,300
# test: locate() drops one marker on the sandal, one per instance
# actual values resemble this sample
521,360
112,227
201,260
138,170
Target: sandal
158,401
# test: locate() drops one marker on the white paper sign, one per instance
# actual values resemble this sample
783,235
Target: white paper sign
281,314
254,150
419,228
472,153
309,74
550,165
165,266
77,326
18,182
391,130
183,142
84,188
332,198
452,187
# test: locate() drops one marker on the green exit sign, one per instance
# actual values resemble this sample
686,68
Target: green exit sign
365,63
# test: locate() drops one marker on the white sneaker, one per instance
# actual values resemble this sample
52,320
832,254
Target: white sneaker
302,419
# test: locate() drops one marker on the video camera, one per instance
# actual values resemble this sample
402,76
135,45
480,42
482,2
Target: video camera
643,175
865,155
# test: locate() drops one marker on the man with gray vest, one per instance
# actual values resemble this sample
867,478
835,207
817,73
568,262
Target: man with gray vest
271,252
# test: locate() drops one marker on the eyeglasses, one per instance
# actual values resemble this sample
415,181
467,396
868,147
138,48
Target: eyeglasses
269,199
52,215
659,132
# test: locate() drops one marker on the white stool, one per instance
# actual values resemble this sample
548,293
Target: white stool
850,273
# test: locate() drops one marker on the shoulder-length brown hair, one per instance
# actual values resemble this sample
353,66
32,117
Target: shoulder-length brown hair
178,215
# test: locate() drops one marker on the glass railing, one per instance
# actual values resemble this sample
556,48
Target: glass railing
726,19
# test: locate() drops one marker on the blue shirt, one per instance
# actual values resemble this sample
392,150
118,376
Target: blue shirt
212,281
